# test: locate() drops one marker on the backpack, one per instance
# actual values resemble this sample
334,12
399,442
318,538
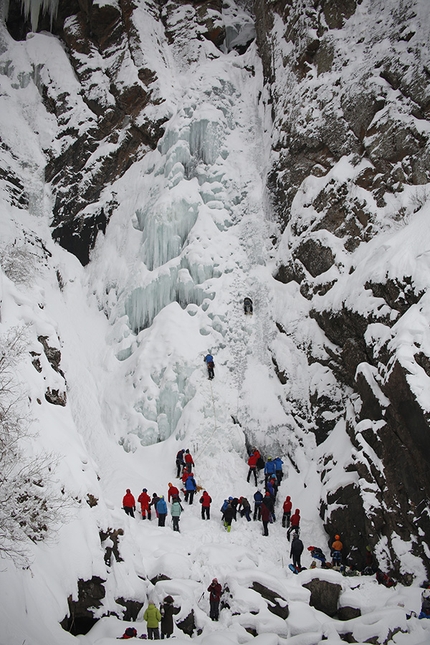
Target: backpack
260,463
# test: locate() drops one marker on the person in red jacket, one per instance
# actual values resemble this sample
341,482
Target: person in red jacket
252,463
172,492
295,523
189,461
144,500
266,514
205,500
287,512
215,591
129,503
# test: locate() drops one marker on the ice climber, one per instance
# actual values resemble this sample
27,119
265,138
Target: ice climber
247,306
258,500
287,506
152,616
209,360
190,488
154,502
167,611
161,511
252,463
175,511
205,500
294,524
296,552
144,501
215,592
129,503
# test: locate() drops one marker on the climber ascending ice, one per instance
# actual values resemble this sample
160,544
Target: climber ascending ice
247,306
210,365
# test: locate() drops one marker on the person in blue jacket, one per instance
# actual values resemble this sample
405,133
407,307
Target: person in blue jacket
269,469
209,360
161,511
278,469
258,500
190,488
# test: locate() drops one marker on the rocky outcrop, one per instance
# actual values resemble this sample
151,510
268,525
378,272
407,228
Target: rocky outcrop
324,595
320,121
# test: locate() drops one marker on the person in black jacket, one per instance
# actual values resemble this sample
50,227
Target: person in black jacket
167,611
296,552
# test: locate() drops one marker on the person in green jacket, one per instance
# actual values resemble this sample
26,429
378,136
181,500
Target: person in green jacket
175,512
152,616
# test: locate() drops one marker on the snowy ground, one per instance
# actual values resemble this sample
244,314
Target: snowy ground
166,283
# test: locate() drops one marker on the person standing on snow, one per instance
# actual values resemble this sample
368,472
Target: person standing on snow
294,524
228,514
278,469
129,503
296,552
179,462
144,500
287,506
209,360
336,551
205,500
266,515
269,469
175,511
258,500
244,508
167,610
152,616
172,492
190,488
215,592
252,463
161,511
189,461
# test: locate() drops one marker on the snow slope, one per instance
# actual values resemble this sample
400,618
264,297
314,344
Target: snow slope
190,239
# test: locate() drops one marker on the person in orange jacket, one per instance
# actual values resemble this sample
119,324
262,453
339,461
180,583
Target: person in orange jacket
129,503
144,501
172,492
336,551
205,500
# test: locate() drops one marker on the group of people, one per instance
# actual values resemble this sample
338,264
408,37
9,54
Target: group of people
158,621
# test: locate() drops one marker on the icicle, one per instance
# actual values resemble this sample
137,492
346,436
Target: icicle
32,9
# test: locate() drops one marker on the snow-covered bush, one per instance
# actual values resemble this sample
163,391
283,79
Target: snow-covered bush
29,504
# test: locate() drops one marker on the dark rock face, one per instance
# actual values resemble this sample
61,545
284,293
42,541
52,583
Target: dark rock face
360,121
324,595
188,624
273,599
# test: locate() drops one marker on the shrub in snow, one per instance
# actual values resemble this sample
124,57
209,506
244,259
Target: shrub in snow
29,503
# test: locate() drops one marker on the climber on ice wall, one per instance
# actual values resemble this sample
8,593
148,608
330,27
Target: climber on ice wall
209,360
